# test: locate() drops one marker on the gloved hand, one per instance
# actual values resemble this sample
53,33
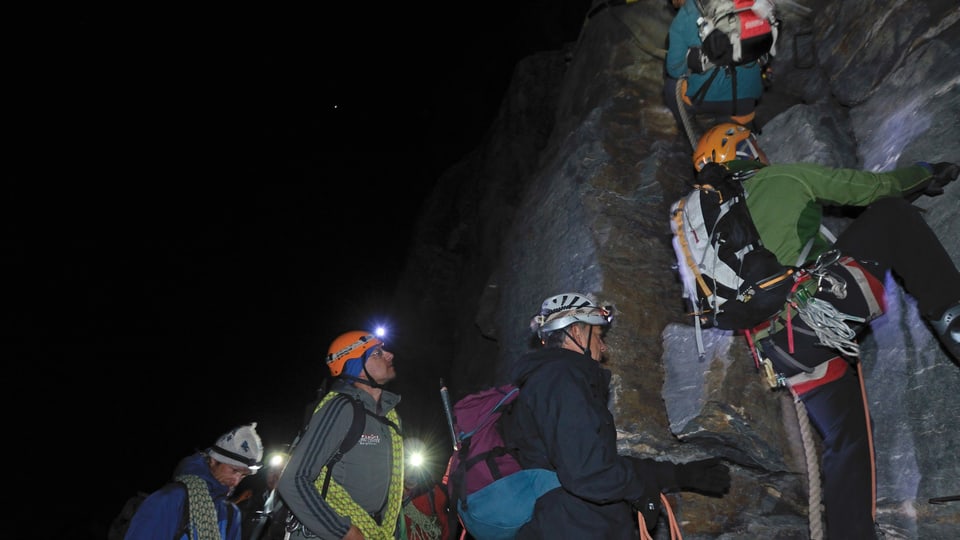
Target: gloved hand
943,173
649,508
697,61
707,476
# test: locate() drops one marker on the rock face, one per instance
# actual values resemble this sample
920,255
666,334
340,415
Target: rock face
571,189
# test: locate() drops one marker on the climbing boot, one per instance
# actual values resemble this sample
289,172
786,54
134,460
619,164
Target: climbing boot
948,330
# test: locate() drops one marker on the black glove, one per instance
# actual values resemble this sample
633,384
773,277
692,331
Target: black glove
697,61
943,173
707,476
649,508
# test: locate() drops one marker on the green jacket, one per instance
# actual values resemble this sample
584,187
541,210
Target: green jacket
786,200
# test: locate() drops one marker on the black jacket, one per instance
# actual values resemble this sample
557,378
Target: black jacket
560,422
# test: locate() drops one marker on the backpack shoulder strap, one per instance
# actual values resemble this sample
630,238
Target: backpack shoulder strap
701,92
381,419
349,440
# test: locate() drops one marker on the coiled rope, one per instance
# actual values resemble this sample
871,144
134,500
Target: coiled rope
203,514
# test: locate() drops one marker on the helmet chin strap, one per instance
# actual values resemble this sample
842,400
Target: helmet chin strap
586,351
369,381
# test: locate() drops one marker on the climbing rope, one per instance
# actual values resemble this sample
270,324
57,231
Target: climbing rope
203,515
813,469
674,526
423,527
684,115
873,455
814,509
342,503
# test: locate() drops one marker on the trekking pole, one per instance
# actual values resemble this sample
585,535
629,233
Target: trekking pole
941,500
445,397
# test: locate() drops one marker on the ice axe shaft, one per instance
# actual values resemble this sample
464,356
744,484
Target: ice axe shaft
445,397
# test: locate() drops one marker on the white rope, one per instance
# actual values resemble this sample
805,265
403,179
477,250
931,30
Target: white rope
814,509
687,124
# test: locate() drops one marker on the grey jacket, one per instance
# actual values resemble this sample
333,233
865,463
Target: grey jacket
364,472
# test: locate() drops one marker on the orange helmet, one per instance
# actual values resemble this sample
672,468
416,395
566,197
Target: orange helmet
727,142
349,346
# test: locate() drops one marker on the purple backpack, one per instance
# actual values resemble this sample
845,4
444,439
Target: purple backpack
481,457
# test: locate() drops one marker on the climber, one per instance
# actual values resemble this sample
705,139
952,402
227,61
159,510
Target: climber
728,93
841,288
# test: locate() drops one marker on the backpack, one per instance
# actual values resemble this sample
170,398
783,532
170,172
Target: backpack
730,280
120,523
736,32
492,494
417,523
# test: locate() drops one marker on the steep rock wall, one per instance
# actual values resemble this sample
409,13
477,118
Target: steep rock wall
570,191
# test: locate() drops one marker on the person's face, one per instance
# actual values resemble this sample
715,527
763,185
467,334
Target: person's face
380,365
228,475
584,334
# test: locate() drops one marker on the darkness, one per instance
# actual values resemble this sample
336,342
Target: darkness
198,202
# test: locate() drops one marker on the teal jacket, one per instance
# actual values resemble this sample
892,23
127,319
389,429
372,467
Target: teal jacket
786,200
685,34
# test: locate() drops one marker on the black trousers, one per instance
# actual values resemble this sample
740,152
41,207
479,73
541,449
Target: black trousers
890,235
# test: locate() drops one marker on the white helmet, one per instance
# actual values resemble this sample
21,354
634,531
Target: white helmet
562,310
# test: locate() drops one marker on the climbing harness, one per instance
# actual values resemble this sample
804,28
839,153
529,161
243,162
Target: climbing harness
828,324
819,315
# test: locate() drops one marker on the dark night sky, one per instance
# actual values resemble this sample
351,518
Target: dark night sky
199,202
